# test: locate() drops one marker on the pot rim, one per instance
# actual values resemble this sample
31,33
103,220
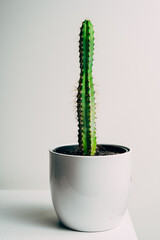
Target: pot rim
127,151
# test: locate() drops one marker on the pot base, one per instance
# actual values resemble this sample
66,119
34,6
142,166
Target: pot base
90,230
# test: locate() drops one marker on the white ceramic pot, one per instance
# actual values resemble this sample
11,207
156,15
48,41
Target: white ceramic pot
90,193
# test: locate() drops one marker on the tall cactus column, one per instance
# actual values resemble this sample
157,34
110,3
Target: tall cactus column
86,95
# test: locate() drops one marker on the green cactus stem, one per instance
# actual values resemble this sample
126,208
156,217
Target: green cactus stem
86,94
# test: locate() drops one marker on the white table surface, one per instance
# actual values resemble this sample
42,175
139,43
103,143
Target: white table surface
30,215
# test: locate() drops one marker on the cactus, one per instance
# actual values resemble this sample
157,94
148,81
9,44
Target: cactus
86,94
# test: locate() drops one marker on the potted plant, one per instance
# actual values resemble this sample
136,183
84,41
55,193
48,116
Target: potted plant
89,181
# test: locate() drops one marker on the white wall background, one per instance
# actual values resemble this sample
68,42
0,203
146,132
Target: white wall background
38,76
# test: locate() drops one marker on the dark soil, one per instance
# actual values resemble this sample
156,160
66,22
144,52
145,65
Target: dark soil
102,150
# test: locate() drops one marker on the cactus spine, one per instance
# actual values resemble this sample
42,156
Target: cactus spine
86,95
